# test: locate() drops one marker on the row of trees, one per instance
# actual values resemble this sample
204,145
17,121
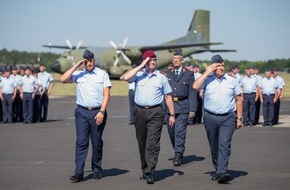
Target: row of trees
22,57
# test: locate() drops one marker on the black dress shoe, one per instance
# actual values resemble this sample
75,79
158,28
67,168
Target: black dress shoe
143,177
214,177
224,178
76,178
97,175
149,179
177,159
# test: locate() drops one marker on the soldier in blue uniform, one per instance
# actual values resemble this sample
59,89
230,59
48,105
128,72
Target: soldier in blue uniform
249,84
29,87
47,84
151,88
7,95
93,94
223,109
185,104
269,96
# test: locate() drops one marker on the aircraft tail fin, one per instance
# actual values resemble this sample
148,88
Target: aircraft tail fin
198,31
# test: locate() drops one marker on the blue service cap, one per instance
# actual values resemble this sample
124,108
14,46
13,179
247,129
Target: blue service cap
88,55
217,59
178,52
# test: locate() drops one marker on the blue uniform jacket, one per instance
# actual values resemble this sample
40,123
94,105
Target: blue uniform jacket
182,88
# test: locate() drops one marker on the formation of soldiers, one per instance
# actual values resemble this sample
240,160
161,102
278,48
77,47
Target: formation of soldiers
257,90
24,94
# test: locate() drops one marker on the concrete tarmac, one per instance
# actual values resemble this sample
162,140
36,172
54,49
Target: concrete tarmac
41,156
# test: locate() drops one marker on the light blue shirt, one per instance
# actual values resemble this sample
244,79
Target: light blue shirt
238,77
280,82
259,79
90,86
45,78
28,83
8,85
268,86
150,90
249,84
17,79
219,95
131,85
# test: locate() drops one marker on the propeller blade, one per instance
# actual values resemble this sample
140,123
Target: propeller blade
113,45
116,61
79,44
125,42
126,58
68,44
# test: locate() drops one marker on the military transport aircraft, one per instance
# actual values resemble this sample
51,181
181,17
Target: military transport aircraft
118,59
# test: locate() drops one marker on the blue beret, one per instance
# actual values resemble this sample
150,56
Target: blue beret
177,52
88,55
217,59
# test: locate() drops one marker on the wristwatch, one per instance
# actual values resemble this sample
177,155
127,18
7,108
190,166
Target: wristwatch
103,112
240,118
172,114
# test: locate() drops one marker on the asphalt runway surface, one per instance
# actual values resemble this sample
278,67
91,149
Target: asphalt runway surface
41,156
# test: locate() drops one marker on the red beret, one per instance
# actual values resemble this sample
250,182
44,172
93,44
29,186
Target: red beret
148,53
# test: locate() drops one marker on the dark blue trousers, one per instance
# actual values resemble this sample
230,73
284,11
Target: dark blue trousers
220,129
177,133
257,111
268,109
249,109
43,107
27,107
7,108
276,112
131,96
87,128
36,108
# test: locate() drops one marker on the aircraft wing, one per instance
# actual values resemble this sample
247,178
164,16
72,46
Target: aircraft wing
215,50
63,47
164,47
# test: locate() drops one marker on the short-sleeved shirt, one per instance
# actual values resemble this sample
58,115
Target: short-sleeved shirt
268,86
90,85
45,78
249,84
28,83
280,82
219,94
150,90
17,79
259,79
8,85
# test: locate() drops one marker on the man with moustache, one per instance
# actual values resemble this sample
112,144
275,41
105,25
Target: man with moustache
92,94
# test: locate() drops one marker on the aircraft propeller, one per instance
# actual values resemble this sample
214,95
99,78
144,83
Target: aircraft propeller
120,51
70,45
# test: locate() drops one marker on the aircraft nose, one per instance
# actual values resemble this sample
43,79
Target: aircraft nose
56,66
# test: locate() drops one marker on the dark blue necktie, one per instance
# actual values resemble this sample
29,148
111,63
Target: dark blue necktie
176,74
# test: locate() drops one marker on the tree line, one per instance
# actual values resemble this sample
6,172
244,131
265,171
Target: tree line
15,58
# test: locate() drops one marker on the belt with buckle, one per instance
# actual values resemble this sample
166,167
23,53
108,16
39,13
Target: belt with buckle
268,94
89,108
148,107
179,98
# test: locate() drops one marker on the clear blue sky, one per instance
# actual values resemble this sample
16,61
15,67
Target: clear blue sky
257,29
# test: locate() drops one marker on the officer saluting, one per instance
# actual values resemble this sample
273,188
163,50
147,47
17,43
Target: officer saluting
151,88
93,94
185,104
222,113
